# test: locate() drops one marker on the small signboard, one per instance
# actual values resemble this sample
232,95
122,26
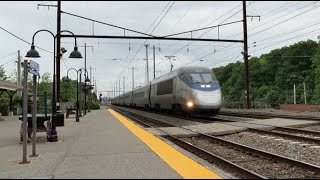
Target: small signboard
31,98
36,73
33,65
33,68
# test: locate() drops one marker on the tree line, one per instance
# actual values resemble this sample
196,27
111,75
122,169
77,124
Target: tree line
68,92
272,76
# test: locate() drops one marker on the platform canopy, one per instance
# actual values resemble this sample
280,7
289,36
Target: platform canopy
9,86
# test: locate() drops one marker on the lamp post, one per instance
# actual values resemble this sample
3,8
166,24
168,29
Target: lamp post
32,53
80,81
87,80
77,103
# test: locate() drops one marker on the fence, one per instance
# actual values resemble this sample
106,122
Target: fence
242,105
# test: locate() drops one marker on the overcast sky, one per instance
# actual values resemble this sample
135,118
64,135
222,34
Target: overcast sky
282,23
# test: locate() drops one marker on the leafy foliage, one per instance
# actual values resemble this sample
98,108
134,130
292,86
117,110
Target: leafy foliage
273,75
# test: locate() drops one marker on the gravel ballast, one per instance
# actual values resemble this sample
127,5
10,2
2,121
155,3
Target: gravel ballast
305,152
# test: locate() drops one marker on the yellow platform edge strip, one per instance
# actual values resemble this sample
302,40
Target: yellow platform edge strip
183,165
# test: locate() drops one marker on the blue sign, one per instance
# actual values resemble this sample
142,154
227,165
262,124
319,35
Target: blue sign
36,73
33,65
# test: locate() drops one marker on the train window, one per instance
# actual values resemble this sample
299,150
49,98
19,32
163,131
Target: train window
195,78
208,77
199,78
139,95
165,87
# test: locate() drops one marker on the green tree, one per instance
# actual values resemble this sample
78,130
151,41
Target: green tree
273,75
3,76
68,90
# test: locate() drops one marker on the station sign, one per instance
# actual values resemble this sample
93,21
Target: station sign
33,65
33,68
31,98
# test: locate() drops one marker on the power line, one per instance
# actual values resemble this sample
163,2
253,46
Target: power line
142,43
146,40
163,17
212,53
7,62
233,43
210,24
210,29
8,55
285,20
23,39
257,26
100,22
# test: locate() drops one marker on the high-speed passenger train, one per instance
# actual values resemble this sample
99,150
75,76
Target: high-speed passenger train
188,90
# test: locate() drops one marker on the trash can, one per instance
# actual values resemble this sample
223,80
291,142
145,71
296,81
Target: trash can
60,119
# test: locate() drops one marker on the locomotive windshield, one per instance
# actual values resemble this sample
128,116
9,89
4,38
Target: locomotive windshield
204,77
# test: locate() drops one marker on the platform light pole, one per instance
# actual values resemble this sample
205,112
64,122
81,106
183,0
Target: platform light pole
147,65
77,103
32,53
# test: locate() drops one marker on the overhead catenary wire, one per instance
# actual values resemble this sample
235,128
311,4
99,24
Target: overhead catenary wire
8,55
210,29
281,22
210,54
240,33
23,40
145,40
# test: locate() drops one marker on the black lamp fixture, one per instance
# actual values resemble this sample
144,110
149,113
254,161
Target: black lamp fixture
87,80
33,53
75,53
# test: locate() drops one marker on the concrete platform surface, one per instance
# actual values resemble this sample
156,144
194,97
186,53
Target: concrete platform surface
98,146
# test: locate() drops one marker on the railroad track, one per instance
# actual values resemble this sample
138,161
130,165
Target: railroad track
264,116
290,133
306,136
244,161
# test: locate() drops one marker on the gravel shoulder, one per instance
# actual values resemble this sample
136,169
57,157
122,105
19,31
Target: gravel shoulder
309,153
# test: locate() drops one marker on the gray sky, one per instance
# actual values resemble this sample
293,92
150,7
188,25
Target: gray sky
282,23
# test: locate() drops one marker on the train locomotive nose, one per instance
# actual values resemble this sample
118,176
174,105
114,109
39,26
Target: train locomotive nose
208,101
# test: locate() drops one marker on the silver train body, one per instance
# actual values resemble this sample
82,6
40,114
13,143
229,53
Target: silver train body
186,89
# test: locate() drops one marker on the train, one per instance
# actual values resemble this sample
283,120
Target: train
187,90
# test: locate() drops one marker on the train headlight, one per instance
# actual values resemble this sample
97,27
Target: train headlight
190,104
203,86
208,86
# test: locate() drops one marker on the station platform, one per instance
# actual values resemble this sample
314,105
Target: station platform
102,145
225,128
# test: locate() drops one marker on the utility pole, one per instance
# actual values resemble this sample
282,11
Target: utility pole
245,54
147,67
124,85
294,94
58,53
305,93
133,76
119,87
154,62
19,72
95,84
85,75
